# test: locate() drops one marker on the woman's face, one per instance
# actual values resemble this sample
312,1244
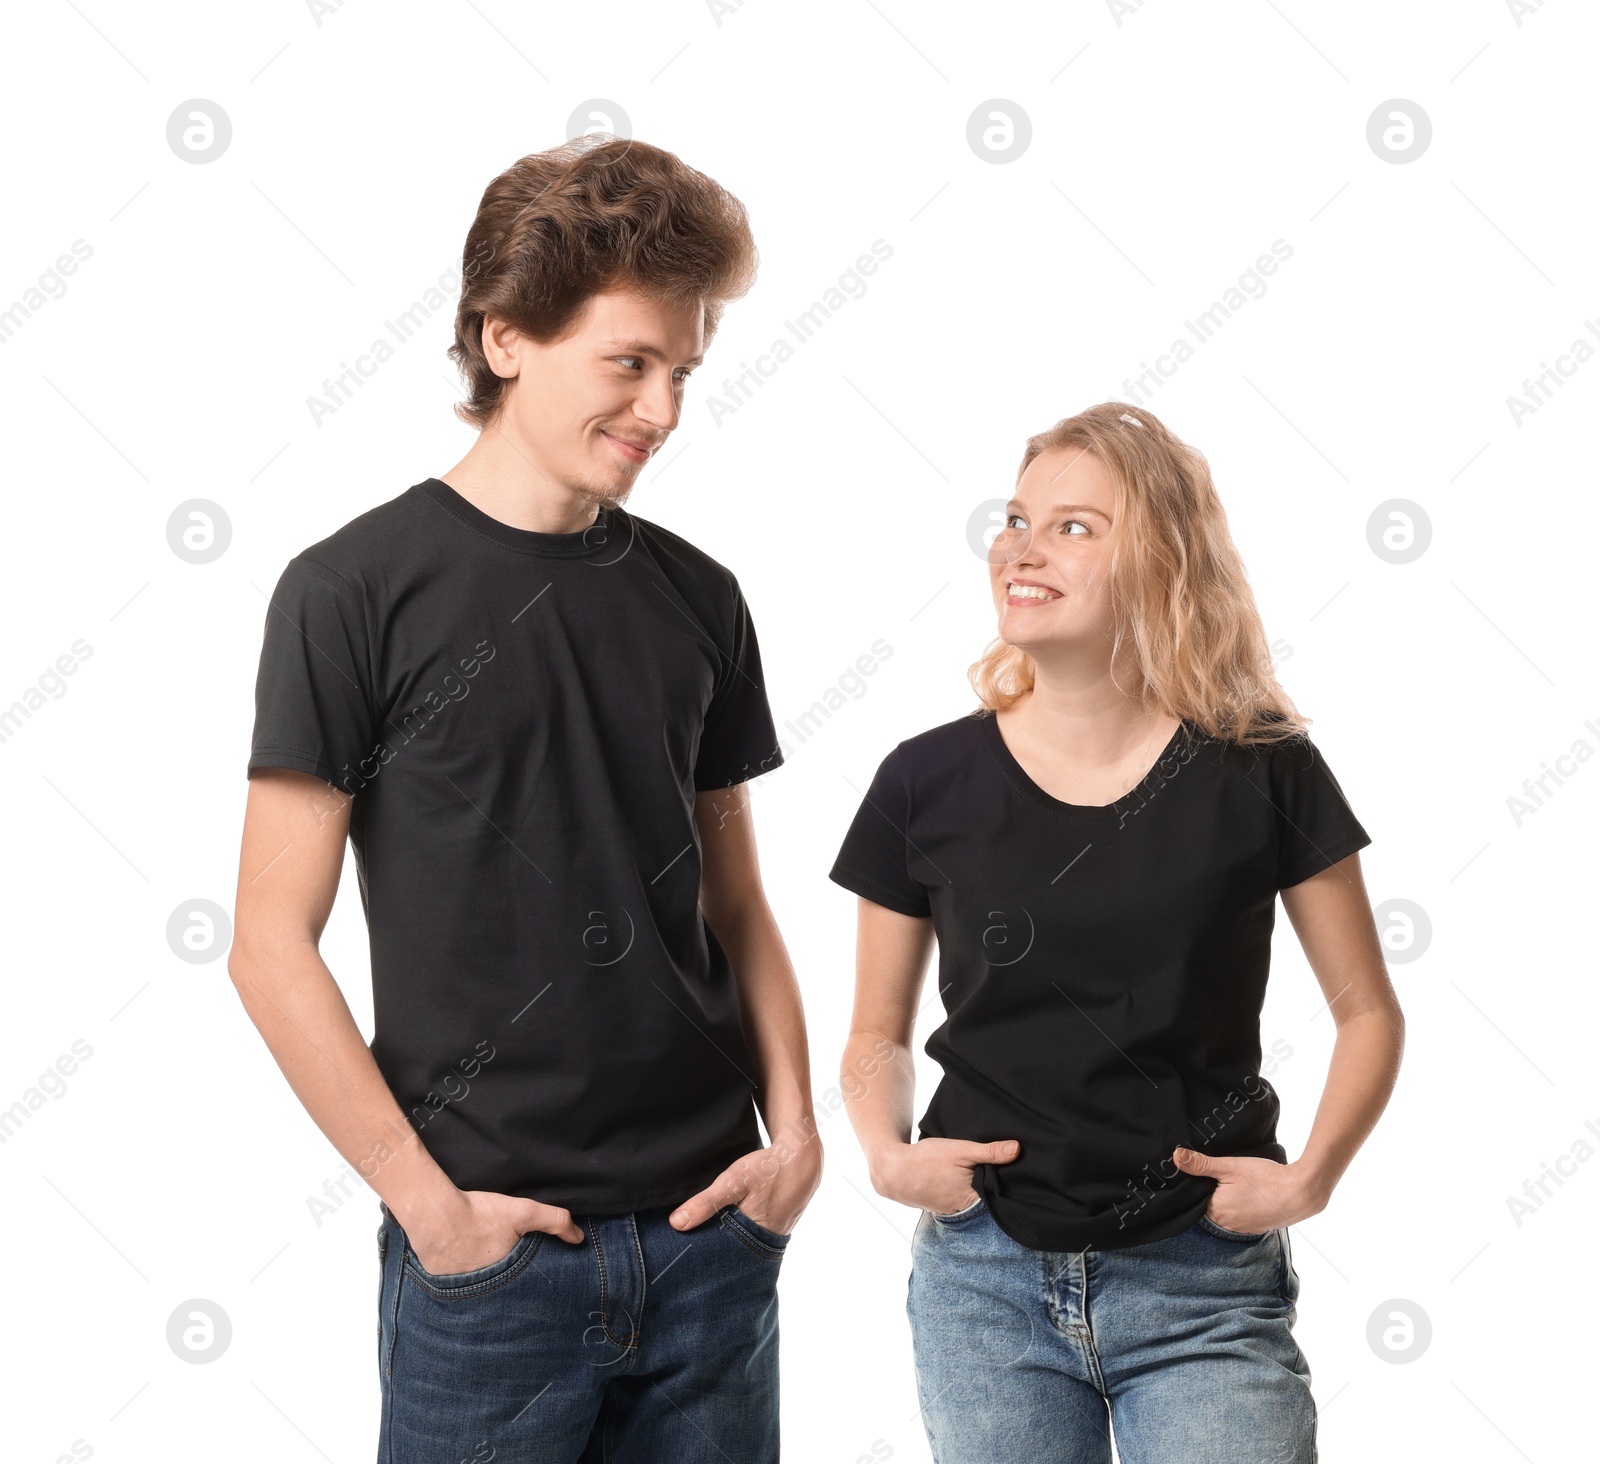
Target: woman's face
1048,566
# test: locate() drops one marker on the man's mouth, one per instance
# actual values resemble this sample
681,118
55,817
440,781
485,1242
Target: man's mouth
634,452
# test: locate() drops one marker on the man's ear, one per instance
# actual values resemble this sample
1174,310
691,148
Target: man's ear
502,346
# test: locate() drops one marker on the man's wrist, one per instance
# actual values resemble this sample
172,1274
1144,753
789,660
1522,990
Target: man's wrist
792,1135
430,1205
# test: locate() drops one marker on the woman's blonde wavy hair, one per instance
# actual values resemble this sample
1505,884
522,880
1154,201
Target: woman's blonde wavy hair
1180,597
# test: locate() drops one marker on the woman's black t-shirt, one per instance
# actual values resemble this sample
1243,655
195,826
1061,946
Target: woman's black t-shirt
1102,968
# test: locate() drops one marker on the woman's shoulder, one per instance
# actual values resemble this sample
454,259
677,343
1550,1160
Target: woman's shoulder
939,747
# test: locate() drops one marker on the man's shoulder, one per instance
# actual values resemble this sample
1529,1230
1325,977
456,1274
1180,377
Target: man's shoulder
369,541
676,552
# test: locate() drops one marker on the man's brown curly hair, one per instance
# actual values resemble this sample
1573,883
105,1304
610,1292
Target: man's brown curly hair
560,226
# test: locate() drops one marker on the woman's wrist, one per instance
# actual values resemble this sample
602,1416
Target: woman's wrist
1315,1180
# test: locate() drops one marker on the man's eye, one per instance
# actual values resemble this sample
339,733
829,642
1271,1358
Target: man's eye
633,363
684,374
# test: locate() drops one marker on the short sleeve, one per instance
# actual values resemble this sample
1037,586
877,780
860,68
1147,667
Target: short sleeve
313,708
1316,827
873,858
738,741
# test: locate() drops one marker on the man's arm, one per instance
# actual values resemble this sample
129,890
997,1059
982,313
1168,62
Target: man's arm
772,1185
293,851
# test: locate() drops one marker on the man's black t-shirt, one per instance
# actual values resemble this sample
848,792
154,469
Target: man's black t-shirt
1102,968
524,720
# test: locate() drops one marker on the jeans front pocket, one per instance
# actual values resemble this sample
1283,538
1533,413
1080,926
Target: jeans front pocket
475,1282
1206,1223
768,1244
959,1217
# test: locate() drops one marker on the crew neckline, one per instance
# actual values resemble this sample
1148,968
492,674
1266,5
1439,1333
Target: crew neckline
579,545
1018,776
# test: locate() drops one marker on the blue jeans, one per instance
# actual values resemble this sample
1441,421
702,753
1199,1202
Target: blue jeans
644,1343
1182,1345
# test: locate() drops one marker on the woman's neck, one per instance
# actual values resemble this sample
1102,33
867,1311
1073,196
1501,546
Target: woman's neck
1085,740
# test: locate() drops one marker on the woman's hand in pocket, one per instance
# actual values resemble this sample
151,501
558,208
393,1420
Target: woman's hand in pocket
936,1174
1254,1195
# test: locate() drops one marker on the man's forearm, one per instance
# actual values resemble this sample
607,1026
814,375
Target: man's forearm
297,1007
774,1024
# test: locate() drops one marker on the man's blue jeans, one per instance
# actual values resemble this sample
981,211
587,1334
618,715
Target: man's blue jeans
1182,1345
643,1343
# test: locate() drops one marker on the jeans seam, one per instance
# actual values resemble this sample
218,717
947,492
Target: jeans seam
395,1256
394,1312
1086,1344
637,1323
600,1258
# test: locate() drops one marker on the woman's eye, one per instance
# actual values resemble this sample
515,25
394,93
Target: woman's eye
1015,521
1076,524
632,363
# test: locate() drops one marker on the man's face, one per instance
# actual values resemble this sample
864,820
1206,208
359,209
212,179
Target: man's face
592,408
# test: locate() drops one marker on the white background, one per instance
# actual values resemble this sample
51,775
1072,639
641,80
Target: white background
1168,151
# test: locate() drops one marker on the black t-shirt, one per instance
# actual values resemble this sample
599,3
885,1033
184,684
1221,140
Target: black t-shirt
1102,968
524,720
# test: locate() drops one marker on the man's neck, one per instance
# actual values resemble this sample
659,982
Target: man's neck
503,478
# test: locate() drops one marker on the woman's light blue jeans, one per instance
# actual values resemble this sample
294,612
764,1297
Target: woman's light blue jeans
1182,1346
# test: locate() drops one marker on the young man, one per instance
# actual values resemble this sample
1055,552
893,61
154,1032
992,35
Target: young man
534,714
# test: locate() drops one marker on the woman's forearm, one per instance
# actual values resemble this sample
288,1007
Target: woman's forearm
877,1079
1361,1076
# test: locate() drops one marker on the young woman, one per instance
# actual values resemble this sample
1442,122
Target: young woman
1098,850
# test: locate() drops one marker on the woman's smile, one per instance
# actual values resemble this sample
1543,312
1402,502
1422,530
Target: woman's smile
1022,592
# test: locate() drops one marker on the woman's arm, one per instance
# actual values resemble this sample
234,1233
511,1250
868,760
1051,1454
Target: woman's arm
1331,916
878,1079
